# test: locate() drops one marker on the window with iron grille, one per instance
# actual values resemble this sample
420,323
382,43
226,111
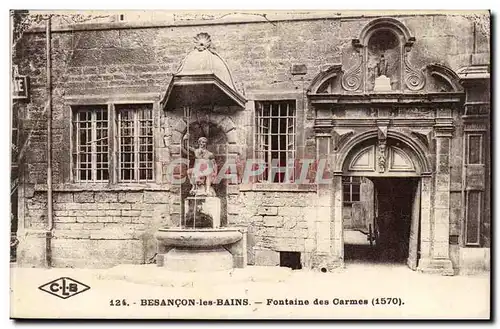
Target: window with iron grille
91,144
135,143
351,186
275,138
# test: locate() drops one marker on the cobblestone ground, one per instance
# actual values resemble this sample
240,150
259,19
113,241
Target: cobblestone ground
417,295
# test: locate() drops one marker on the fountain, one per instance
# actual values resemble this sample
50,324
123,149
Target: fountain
201,242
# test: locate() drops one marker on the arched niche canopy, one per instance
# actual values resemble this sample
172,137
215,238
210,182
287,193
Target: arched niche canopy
383,64
202,81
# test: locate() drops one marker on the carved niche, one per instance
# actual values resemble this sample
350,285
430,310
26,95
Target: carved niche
382,59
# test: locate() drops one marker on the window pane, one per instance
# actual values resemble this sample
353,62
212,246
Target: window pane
135,142
275,135
90,135
473,216
475,149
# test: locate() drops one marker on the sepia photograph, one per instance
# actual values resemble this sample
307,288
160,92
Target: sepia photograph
250,164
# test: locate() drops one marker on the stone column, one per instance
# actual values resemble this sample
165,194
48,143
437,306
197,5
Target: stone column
326,256
337,224
322,205
425,216
439,258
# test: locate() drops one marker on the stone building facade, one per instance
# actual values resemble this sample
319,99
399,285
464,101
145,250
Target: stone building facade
389,99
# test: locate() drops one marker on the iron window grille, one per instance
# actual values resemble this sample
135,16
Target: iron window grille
135,143
91,144
276,139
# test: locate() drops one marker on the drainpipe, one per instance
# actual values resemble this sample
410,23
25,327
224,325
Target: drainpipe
50,219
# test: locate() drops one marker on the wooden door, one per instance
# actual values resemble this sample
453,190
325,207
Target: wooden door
414,230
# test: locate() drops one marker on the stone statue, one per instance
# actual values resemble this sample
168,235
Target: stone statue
381,67
204,172
382,81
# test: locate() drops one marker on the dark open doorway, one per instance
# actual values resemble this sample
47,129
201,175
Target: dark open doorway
395,203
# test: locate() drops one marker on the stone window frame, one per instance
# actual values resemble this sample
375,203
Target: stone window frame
110,101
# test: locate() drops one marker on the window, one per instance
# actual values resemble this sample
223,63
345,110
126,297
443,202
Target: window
475,149
91,144
473,217
275,137
351,186
135,139
131,151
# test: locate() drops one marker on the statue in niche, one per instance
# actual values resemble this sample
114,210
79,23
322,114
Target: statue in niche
204,172
383,61
382,66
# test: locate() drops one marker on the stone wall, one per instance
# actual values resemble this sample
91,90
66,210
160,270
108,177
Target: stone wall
259,55
97,229
115,225
280,221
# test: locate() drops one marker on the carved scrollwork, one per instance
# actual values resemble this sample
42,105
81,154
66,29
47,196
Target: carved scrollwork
414,79
352,79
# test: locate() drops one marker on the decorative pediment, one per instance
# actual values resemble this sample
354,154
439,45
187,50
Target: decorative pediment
383,64
377,68
203,80
327,80
443,79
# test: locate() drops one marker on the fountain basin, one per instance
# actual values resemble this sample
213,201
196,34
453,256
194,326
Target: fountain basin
197,238
200,250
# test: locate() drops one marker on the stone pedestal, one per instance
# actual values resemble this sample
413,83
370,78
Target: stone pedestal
201,210
382,83
198,260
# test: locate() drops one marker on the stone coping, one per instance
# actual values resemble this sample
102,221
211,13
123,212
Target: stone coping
218,17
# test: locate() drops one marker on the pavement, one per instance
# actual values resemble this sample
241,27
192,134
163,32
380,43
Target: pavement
359,291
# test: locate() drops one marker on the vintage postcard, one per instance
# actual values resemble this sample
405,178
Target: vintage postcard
250,164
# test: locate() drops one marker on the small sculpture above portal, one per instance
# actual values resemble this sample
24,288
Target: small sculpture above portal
204,171
382,66
382,81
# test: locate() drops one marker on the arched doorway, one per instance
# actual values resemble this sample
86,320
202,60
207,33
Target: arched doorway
380,205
